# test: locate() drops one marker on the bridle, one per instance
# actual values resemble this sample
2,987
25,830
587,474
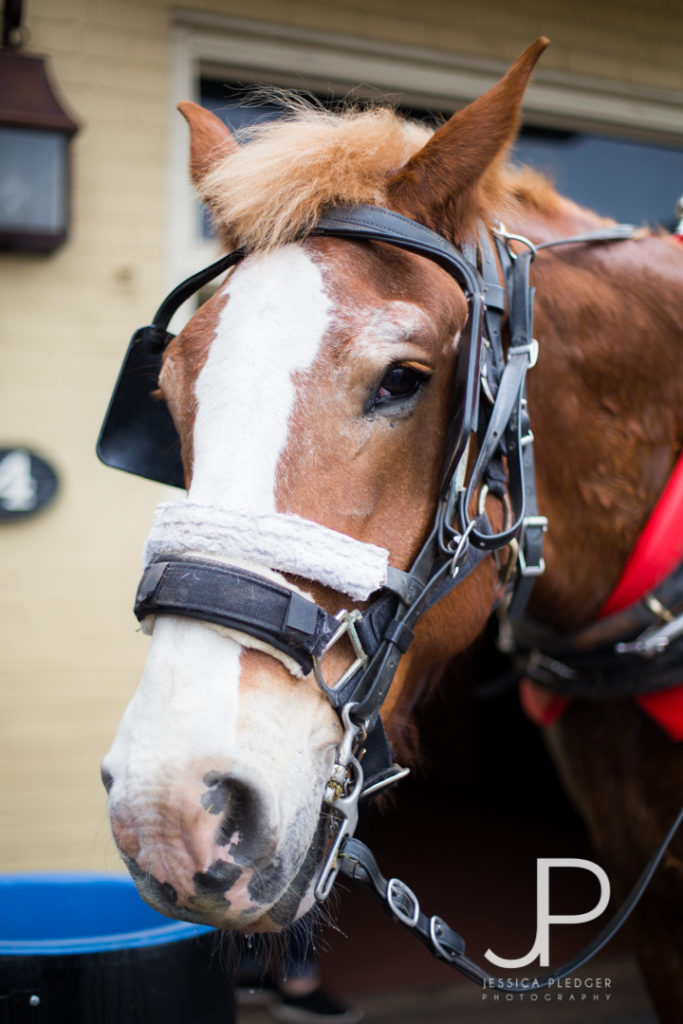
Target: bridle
138,435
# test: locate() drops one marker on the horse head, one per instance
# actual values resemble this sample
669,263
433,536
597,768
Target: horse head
313,392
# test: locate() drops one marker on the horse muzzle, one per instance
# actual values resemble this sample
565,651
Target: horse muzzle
216,780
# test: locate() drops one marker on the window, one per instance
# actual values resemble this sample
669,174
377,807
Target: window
634,182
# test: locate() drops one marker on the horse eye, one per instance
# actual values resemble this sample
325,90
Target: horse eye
399,382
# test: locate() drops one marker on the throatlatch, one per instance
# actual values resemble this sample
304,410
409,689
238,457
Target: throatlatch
489,402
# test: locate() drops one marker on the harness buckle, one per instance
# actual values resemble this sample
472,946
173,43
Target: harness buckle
347,625
403,902
526,568
654,640
531,349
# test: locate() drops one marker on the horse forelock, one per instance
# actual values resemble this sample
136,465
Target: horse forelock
277,184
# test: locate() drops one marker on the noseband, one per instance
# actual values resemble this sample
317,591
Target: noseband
190,548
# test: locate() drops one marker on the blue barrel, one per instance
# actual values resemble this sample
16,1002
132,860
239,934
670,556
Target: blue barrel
85,949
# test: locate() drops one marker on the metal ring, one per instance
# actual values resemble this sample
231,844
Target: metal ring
501,232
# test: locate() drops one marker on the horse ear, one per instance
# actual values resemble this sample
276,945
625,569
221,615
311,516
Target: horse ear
210,139
444,184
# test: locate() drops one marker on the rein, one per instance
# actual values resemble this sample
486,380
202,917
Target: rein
189,577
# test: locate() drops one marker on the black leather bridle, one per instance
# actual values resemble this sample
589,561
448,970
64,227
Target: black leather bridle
489,402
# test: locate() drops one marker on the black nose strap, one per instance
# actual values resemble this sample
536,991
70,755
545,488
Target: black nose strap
232,597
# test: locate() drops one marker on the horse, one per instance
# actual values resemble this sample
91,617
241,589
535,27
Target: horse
322,396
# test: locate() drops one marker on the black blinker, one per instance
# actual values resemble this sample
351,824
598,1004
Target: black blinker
138,434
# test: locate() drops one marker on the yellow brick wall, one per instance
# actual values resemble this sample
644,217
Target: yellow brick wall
70,652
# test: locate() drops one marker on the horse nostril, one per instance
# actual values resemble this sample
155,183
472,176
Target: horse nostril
243,818
107,779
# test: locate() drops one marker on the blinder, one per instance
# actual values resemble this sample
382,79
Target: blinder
138,434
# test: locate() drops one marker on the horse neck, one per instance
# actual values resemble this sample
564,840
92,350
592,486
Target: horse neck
606,401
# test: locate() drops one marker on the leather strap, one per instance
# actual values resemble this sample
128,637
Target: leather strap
240,600
401,903
622,655
191,285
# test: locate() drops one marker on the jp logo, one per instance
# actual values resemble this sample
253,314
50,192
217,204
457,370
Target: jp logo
543,916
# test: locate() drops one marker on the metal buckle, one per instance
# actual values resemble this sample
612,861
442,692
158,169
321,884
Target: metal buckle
531,350
654,640
533,522
399,891
347,622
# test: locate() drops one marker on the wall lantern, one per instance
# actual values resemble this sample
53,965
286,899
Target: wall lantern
34,147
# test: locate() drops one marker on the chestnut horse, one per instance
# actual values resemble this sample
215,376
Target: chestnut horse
313,391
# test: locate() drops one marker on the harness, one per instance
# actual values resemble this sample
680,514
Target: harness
489,401
635,646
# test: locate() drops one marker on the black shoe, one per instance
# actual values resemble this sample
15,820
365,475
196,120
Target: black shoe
317,1007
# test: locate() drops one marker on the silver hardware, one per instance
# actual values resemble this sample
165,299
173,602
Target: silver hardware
397,895
397,773
539,522
501,232
347,622
481,504
485,385
653,640
341,796
458,545
347,809
546,667
531,350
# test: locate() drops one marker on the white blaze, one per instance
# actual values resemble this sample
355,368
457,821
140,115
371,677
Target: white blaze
270,327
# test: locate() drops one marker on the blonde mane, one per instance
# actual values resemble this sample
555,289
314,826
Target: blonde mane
286,172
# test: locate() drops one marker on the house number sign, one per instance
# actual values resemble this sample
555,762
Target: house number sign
27,483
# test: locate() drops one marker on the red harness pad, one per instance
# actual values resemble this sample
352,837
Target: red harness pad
657,552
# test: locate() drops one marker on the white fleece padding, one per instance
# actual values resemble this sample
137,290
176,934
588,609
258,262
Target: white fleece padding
273,540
